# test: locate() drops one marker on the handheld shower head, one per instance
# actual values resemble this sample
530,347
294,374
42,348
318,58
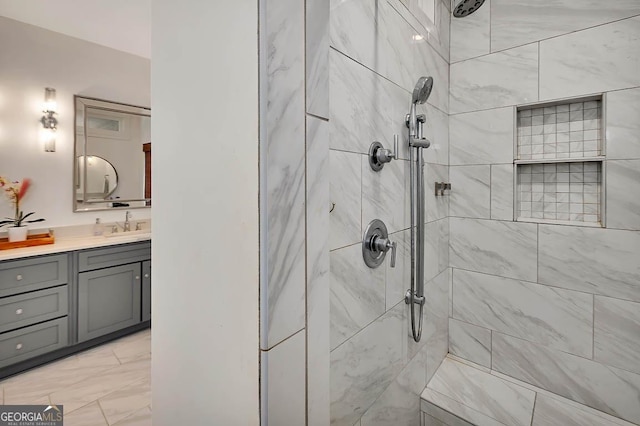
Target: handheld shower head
422,90
464,8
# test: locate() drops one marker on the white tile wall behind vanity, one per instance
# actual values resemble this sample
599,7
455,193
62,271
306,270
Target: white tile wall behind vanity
553,305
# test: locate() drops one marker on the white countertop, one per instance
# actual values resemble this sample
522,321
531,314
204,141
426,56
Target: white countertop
65,244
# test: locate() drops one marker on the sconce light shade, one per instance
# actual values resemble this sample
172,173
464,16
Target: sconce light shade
48,121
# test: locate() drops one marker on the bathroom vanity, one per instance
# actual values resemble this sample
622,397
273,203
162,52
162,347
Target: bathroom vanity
72,295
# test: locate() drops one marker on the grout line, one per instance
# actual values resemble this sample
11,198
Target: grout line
386,78
533,409
534,104
306,217
282,341
548,38
593,329
555,350
319,117
541,284
102,411
538,60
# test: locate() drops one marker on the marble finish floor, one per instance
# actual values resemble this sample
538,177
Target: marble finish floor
465,394
104,386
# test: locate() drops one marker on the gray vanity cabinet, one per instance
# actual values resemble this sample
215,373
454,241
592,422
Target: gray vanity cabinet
34,307
108,300
146,290
111,287
54,305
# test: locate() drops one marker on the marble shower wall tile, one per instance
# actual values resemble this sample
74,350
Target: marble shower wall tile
436,129
557,318
285,365
470,36
435,322
318,282
429,63
357,293
364,107
469,341
623,194
470,191
552,412
436,325
436,34
345,178
399,404
481,391
518,22
398,278
596,60
364,366
375,35
385,195
285,171
617,333
501,248
607,389
502,191
482,137
436,240
317,57
598,261
623,126
441,407
436,207
496,80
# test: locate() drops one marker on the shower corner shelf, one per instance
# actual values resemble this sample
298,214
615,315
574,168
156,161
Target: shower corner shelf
559,165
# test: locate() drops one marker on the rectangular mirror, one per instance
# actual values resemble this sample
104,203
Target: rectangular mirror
112,155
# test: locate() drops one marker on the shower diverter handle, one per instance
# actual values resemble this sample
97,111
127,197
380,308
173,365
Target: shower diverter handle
383,245
376,243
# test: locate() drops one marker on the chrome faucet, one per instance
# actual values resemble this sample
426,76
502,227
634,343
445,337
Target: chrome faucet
127,224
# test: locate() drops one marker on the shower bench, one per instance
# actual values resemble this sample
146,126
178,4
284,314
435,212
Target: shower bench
465,394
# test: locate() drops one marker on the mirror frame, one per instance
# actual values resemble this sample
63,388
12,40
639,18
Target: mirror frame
105,105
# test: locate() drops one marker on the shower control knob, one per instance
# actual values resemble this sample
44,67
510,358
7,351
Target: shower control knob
376,244
378,155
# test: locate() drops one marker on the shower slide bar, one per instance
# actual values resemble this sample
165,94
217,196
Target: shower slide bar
415,295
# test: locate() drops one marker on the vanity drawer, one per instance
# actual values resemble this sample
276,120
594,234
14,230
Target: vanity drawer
19,276
29,342
30,308
89,260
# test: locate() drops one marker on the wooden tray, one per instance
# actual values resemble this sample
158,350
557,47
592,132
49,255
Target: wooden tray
32,240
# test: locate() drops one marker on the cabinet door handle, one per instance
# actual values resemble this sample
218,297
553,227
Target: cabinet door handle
146,275
19,346
137,277
19,311
19,278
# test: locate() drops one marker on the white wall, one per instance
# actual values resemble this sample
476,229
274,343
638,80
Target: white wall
34,58
205,162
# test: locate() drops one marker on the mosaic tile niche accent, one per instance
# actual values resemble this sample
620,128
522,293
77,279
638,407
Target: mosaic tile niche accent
571,130
562,192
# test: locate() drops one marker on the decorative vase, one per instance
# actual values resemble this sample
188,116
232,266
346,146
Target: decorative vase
17,233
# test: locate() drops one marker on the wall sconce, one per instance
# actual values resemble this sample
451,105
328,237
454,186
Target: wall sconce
48,121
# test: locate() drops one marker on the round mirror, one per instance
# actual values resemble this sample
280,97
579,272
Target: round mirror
101,178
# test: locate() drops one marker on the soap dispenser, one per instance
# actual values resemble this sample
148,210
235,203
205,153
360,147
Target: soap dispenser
98,229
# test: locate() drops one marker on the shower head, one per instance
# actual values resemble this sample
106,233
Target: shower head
464,8
422,90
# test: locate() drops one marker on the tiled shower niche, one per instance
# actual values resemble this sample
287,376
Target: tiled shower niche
560,191
571,130
559,162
